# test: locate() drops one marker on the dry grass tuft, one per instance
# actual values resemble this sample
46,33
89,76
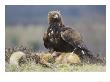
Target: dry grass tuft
29,60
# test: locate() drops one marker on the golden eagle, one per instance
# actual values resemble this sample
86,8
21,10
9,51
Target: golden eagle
60,38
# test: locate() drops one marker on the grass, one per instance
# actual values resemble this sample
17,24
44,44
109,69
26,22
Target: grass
60,64
32,67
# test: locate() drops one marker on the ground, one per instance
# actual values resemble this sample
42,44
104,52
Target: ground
46,63
32,67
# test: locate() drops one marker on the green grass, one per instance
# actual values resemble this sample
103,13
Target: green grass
32,67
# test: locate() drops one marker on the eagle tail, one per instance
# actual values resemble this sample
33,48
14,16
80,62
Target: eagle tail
87,56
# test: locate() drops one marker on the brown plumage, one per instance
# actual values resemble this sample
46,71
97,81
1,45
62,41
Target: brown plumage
60,38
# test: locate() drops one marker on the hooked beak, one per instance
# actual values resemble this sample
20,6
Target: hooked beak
56,16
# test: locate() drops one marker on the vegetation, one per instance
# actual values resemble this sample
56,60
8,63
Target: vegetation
32,67
44,62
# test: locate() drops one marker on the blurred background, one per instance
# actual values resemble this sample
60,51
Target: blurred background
26,24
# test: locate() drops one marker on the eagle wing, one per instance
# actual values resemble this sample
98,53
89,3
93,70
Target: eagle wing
71,36
74,38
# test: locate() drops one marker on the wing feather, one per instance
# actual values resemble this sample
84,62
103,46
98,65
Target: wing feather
71,36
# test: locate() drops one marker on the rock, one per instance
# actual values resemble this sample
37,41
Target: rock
68,58
15,57
59,58
46,59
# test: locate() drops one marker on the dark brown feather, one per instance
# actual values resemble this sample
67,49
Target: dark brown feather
60,38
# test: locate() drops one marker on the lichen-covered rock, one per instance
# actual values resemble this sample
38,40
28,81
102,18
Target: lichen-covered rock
46,59
15,57
68,58
59,58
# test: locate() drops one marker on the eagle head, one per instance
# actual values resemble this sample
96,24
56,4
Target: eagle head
54,16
